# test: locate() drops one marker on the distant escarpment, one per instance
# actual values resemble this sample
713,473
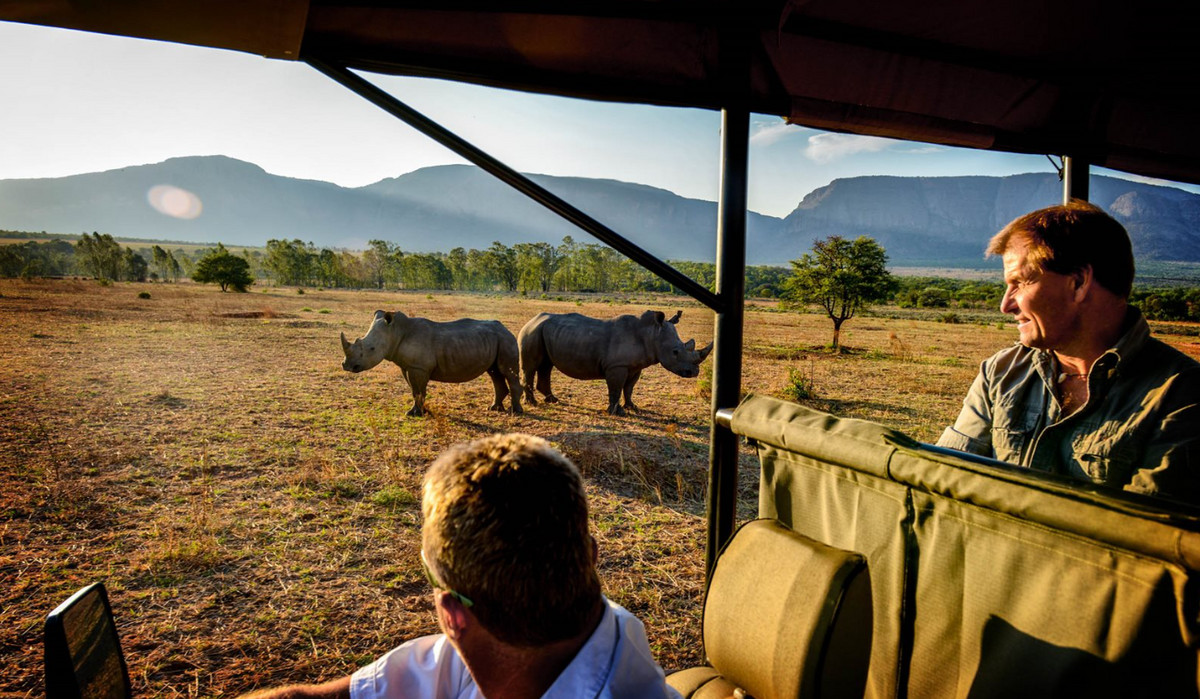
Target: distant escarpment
921,221
947,221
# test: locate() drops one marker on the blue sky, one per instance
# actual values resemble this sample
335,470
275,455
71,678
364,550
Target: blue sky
75,102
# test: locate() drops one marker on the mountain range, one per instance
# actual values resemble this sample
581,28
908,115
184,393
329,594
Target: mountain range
921,221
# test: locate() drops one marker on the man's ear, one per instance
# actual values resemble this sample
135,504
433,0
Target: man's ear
1084,278
454,616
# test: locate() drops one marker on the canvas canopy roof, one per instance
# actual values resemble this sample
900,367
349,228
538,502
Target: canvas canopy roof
1111,83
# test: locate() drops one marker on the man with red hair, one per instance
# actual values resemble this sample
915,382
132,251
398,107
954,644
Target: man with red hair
1086,392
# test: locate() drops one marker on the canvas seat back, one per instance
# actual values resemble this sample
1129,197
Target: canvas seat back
988,580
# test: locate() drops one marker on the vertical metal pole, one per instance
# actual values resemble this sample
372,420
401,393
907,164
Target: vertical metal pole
727,331
1075,179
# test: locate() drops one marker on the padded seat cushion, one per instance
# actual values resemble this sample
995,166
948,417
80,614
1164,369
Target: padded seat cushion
701,683
787,616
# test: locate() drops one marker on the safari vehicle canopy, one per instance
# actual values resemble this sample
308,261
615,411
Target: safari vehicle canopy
1103,83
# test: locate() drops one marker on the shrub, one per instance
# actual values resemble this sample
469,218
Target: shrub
951,318
799,387
144,295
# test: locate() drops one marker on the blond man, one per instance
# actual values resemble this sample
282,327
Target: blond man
507,549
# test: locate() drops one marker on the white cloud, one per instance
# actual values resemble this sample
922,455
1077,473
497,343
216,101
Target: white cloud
922,149
767,134
828,147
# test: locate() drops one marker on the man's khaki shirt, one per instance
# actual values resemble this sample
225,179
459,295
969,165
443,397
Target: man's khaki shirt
1140,427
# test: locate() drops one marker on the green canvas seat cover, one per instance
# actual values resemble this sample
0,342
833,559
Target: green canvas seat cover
988,580
785,617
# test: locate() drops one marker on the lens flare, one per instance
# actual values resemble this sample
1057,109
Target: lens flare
174,202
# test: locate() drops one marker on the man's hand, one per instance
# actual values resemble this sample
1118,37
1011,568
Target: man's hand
336,689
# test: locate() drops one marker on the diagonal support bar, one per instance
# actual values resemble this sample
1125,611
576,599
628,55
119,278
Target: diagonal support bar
516,180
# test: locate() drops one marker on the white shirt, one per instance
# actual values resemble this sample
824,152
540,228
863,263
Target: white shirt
615,663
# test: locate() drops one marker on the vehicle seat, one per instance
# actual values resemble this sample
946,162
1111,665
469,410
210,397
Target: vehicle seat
82,651
785,616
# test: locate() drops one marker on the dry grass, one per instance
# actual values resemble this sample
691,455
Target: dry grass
253,508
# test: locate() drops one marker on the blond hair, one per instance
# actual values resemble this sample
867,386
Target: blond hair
506,525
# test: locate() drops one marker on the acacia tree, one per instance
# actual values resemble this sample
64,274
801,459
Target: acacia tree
841,276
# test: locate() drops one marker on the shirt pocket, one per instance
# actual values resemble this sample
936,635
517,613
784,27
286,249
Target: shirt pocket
1013,426
1109,461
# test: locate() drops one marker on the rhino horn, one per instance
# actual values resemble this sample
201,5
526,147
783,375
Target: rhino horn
675,318
704,352
689,345
345,345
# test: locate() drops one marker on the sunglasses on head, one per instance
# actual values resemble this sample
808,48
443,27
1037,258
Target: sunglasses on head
466,601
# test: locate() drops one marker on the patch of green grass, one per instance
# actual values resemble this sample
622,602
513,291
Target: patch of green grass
344,488
393,498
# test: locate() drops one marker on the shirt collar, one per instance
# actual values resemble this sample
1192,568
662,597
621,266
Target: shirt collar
1137,333
588,671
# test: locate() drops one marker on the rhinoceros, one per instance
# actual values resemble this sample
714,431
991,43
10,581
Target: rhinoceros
616,350
426,350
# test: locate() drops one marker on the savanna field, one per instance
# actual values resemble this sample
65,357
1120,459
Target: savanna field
254,509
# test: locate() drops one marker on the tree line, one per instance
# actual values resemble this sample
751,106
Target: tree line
527,268
571,266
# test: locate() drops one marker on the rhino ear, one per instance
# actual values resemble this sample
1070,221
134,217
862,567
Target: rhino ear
388,317
675,318
659,316
380,314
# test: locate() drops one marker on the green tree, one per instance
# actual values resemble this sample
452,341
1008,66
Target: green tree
456,265
382,261
501,264
134,266
290,262
99,255
841,276
567,276
165,263
223,267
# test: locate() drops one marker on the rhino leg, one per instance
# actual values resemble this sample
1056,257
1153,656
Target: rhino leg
529,387
628,389
615,378
514,388
543,383
417,380
501,387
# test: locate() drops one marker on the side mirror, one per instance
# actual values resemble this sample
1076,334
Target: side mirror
82,650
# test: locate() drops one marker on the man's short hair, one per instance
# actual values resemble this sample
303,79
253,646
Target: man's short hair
1068,237
506,525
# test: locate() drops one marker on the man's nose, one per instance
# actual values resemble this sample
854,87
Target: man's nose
1007,305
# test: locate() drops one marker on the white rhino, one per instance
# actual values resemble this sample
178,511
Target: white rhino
616,350
427,350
